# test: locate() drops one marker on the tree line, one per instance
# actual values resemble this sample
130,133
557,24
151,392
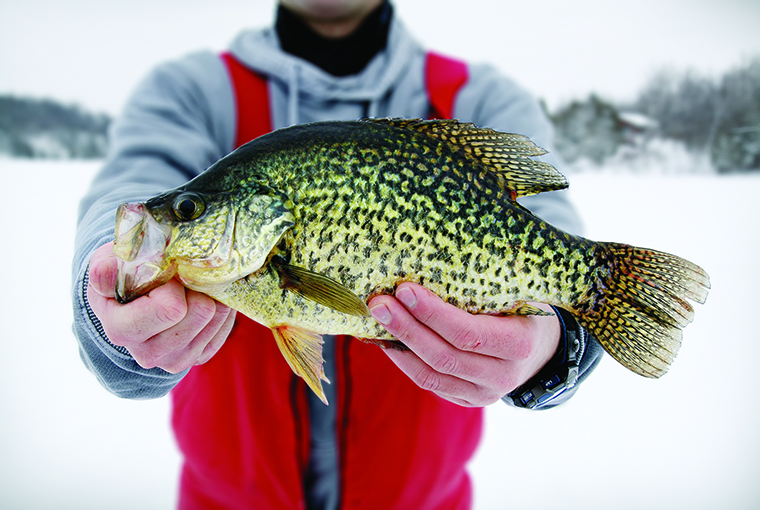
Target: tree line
719,116
43,128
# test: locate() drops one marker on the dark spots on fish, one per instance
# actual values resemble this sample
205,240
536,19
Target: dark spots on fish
383,266
480,266
333,251
402,256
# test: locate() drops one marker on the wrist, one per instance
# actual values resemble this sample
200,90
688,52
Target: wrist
559,374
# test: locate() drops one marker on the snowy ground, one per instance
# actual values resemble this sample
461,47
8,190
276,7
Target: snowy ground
689,440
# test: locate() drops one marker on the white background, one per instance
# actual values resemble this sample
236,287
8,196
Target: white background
689,440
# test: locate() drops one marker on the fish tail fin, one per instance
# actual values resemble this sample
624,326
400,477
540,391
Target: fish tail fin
641,306
302,350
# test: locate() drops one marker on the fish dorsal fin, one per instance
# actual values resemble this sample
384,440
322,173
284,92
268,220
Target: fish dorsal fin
319,288
507,154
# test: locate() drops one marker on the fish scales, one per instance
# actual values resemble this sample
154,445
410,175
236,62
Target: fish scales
353,205
300,228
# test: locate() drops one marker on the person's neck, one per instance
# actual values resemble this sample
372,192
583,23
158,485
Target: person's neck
339,56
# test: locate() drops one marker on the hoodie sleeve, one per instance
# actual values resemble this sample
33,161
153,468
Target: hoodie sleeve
490,99
179,120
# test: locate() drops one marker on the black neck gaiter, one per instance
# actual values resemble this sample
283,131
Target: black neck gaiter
339,57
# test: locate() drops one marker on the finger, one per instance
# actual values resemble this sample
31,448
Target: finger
179,346
436,352
102,271
454,389
219,337
500,337
143,318
206,343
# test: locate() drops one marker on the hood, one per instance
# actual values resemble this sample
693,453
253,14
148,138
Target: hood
305,82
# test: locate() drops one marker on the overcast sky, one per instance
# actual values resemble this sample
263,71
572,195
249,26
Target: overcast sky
92,52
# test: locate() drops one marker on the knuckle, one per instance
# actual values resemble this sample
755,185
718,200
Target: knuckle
445,362
428,380
204,311
171,312
470,339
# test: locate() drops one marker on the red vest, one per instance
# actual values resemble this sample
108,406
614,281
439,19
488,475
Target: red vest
241,420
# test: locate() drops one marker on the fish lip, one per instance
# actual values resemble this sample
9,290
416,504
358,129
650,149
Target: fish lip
136,280
140,244
129,230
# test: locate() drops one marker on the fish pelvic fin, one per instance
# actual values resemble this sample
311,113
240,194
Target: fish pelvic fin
506,154
302,350
642,306
319,288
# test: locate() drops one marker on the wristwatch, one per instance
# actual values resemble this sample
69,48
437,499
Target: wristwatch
560,374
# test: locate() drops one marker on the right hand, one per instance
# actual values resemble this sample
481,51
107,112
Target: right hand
171,327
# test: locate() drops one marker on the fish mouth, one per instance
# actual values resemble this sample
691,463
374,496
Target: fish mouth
140,244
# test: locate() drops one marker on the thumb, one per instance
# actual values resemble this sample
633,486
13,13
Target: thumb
102,272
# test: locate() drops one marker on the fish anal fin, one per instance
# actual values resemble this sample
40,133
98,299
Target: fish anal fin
319,288
302,350
505,154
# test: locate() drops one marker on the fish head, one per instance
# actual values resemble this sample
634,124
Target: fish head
206,240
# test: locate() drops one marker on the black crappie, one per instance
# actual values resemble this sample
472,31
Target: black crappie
299,228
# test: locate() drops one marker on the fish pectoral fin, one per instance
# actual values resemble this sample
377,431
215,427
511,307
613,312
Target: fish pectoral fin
507,155
302,350
526,309
319,288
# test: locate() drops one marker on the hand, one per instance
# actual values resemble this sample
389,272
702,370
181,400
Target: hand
472,360
171,327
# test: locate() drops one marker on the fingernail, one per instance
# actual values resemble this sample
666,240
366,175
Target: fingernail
407,296
381,314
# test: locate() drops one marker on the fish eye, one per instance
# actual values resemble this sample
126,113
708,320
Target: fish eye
188,206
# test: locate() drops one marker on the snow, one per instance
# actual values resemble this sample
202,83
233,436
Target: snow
688,440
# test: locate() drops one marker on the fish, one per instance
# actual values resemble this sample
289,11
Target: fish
298,229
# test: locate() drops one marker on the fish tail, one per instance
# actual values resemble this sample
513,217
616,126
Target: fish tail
641,305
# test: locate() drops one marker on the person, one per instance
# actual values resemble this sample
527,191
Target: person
401,425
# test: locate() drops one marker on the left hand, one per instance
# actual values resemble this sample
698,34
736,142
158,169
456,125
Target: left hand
471,360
